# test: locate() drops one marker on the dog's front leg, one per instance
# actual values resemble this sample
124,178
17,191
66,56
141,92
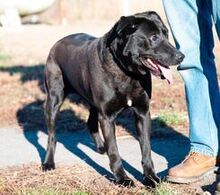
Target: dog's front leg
143,126
108,130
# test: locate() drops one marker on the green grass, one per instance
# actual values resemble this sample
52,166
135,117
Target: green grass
164,189
4,58
80,193
36,191
171,118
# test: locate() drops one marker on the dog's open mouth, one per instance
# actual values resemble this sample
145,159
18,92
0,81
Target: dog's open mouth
158,69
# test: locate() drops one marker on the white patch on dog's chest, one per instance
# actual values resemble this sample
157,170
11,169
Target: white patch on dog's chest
129,102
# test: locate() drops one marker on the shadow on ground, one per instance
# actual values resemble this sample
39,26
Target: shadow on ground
31,118
28,73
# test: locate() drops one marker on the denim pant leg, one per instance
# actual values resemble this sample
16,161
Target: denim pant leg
216,15
216,94
191,26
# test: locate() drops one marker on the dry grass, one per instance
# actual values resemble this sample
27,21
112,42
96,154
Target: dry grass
74,179
66,179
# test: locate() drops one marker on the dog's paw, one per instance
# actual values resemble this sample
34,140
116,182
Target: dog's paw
151,181
127,182
101,150
47,167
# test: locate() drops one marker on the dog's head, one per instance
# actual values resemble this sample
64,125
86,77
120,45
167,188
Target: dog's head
140,44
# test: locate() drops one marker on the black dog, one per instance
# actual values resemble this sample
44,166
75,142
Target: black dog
111,73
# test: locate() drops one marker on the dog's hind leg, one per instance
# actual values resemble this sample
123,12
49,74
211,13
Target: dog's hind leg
55,96
94,131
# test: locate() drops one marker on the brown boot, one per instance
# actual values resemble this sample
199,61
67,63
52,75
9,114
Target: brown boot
217,191
193,168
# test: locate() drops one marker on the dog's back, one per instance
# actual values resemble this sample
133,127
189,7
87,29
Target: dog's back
72,56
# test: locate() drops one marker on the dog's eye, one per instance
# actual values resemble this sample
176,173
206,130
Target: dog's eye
154,38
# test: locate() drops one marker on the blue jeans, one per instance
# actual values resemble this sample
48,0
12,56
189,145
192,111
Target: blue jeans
191,24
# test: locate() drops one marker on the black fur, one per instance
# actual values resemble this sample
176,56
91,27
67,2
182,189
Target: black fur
107,72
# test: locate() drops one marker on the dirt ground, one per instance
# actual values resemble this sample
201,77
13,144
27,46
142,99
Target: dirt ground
23,53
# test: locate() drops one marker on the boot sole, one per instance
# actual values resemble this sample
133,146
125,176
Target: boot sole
186,180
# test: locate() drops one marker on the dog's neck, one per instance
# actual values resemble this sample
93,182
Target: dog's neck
122,64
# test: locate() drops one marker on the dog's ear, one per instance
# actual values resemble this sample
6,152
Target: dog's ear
153,16
131,22
125,22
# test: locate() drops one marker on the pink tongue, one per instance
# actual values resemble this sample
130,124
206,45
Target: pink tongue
167,74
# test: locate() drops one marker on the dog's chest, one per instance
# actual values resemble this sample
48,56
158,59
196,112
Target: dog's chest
124,98
129,102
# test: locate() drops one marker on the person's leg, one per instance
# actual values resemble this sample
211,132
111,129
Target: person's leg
191,25
195,39
215,93
216,18
216,15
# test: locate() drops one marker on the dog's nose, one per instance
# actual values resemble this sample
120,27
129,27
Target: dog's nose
179,57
